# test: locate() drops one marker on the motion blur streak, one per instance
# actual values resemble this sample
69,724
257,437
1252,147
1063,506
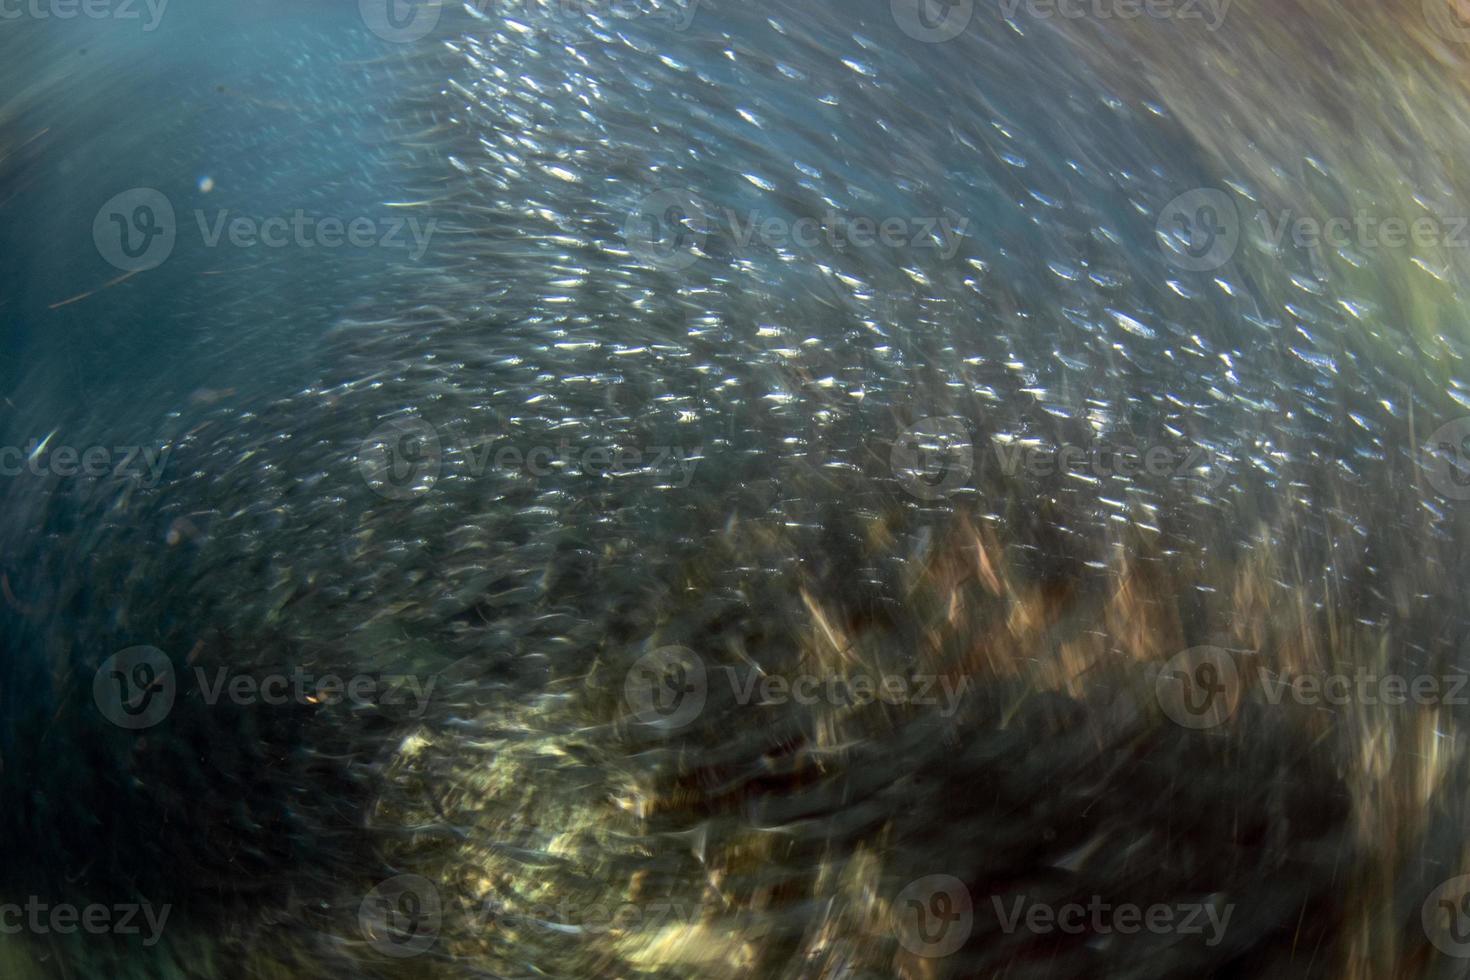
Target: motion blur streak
734,489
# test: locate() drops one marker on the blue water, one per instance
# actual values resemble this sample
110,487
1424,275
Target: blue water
270,101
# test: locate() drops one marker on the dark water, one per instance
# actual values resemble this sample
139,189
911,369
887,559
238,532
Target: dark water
814,463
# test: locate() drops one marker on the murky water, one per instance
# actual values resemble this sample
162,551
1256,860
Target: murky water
750,490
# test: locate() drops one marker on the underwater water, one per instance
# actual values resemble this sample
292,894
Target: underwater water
688,488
